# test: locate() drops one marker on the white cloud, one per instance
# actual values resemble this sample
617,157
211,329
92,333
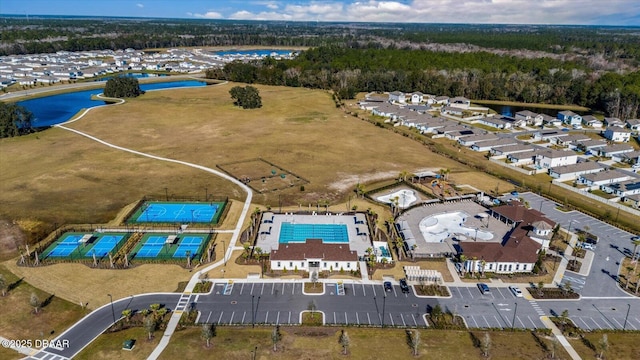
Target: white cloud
207,15
140,5
446,11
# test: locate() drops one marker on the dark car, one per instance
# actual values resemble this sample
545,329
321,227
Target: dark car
484,288
387,286
403,286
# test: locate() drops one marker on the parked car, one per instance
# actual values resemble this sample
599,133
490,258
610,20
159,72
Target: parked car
403,286
387,286
484,288
515,291
588,246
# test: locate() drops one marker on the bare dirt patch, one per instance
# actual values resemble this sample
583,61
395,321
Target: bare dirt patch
11,239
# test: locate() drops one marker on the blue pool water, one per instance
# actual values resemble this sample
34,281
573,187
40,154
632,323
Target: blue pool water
56,109
329,233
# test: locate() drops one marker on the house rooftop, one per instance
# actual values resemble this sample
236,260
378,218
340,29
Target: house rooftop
314,249
582,166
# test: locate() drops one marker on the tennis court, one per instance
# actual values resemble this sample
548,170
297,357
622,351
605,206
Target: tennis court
104,245
188,243
66,245
152,247
167,212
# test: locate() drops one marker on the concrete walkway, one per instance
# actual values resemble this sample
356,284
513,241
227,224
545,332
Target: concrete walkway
561,339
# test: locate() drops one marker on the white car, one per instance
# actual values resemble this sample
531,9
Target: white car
588,246
516,291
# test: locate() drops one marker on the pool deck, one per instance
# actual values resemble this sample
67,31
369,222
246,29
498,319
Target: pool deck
269,229
416,215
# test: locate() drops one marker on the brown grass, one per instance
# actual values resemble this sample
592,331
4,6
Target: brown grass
79,283
109,345
19,321
621,345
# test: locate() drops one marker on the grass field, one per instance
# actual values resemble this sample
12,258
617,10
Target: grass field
19,321
621,345
109,345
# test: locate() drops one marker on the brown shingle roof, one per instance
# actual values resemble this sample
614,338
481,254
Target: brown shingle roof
314,249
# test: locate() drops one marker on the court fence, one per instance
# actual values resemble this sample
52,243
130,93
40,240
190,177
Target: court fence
216,220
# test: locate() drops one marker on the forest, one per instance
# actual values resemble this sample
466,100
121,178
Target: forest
476,75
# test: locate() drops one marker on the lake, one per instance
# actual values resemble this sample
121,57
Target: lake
56,109
267,52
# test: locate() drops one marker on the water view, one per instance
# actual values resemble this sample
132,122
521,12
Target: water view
261,53
56,109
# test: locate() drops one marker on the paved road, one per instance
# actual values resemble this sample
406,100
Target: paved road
86,330
614,244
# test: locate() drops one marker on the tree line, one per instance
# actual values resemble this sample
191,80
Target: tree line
15,120
476,75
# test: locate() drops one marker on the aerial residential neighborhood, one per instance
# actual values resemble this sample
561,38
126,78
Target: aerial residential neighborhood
314,180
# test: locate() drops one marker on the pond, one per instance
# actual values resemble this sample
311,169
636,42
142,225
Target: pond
56,109
261,53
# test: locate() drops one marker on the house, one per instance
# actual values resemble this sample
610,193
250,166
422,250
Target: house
633,124
452,110
488,145
633,200
569,117
386,110
612,121
631,157
522,158
531,118
495,123
417,97
397,96
549,120
570,172
617,134
441,100
629,187
460,102
512,149
460,134
535,224
550,158
594,180
470,140
587,145
590,120
565,141
548,135
313,255
615,149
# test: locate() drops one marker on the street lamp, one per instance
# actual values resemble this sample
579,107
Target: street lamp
113,313
626,317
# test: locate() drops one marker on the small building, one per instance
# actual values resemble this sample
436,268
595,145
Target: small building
617,134
548,135
633,124
313,255
530,118
495,123
397,96
522,158
452,110
595,180
471,140
571,172
613,150
441,100
632,200
549,120
553,158
417,97
631,157
592,121
488,145
512,149
569,117
629,187
460,102
614,122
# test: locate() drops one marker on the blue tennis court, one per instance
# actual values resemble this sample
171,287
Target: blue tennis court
162,212
188,243
152,247
66,246
104,245
297,233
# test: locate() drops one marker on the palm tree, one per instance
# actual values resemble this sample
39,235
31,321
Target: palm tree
403,175
463,261
344,342
399,244
360,190
635,241
483,263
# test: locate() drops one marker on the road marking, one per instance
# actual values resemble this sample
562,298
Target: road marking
501,294
354,289
369,318
630,324
241,288
243,315
394,291
231,320
220,318
474,321
289,322
459,292
598,325
607,323
266,318
374,290
282,292
357,319
208,317
521,323
251,293
293,290
532,323
273,285
485,320
262,291
498,321
585,324
403,323
414,320
278,319
391,317
470,294
614,319
334,318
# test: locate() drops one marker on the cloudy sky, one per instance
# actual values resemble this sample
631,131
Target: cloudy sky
560,12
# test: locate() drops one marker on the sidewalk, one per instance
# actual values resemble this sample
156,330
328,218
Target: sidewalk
565,260
561,339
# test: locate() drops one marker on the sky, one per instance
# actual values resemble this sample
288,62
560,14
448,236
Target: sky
555,12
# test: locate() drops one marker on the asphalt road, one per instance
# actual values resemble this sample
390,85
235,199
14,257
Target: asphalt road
86,330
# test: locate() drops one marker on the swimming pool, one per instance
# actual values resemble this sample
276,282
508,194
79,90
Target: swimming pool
298,233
